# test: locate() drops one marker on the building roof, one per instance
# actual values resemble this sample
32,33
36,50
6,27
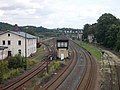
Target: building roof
22,34
1,32
62,37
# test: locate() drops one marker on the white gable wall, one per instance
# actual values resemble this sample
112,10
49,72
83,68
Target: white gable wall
31,46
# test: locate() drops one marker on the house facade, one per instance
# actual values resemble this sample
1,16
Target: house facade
15,41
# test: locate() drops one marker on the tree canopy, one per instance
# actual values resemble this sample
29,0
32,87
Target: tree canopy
106,31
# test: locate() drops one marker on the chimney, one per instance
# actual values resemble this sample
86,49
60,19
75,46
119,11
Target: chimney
16,28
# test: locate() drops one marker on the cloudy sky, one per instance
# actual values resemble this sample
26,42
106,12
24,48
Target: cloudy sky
56,13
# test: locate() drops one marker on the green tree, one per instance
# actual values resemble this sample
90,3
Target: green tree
85,31
118,41
111,36
103,25
92,29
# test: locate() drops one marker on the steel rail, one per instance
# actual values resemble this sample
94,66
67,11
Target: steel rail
54,85
27,76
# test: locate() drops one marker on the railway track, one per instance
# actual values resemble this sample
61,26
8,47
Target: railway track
55,83
118,74
76,75
85,80
22,79
114,80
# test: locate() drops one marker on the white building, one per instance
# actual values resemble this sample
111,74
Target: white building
90,38
80,33
15,41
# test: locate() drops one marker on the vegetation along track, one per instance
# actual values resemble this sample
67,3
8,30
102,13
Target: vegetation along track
21,80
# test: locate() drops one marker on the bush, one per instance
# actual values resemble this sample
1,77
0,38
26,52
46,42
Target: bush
1,73
54,66
16,62
31,62
11,73
3,70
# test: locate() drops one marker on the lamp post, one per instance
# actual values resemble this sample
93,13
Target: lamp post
25,49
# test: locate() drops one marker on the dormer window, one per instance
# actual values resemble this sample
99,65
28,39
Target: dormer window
8,35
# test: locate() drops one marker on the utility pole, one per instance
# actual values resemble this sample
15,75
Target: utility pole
47,65
25,49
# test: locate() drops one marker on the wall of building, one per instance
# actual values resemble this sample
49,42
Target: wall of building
31,46
3,54
62,51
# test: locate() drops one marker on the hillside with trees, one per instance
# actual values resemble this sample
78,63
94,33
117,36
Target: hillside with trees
37,31
106,31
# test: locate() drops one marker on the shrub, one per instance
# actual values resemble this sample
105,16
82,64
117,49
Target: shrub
1,73
11,73
31,62
56,65
16,62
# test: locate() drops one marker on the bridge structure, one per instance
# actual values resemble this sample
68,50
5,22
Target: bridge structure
73,33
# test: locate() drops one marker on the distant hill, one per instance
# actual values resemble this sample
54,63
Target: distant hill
34,30
31,29
5,26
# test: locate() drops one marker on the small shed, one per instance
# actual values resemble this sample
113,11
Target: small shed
90,38
62,44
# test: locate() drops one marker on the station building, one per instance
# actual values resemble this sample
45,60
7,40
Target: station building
62,44
13,42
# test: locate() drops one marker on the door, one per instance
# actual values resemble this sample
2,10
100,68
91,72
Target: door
9,53
62,56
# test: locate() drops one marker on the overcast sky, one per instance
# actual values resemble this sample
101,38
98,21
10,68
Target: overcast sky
56,13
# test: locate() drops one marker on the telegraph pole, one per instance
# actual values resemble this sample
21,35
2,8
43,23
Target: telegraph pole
25,49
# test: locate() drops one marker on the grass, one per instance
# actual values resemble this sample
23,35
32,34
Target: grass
92,49
39,55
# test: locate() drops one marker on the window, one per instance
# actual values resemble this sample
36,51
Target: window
58,44
19,51
9,42
19,42
8,35
3,42
65,44
62,44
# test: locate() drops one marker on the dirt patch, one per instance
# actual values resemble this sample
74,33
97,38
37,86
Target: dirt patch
98,81
108,71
